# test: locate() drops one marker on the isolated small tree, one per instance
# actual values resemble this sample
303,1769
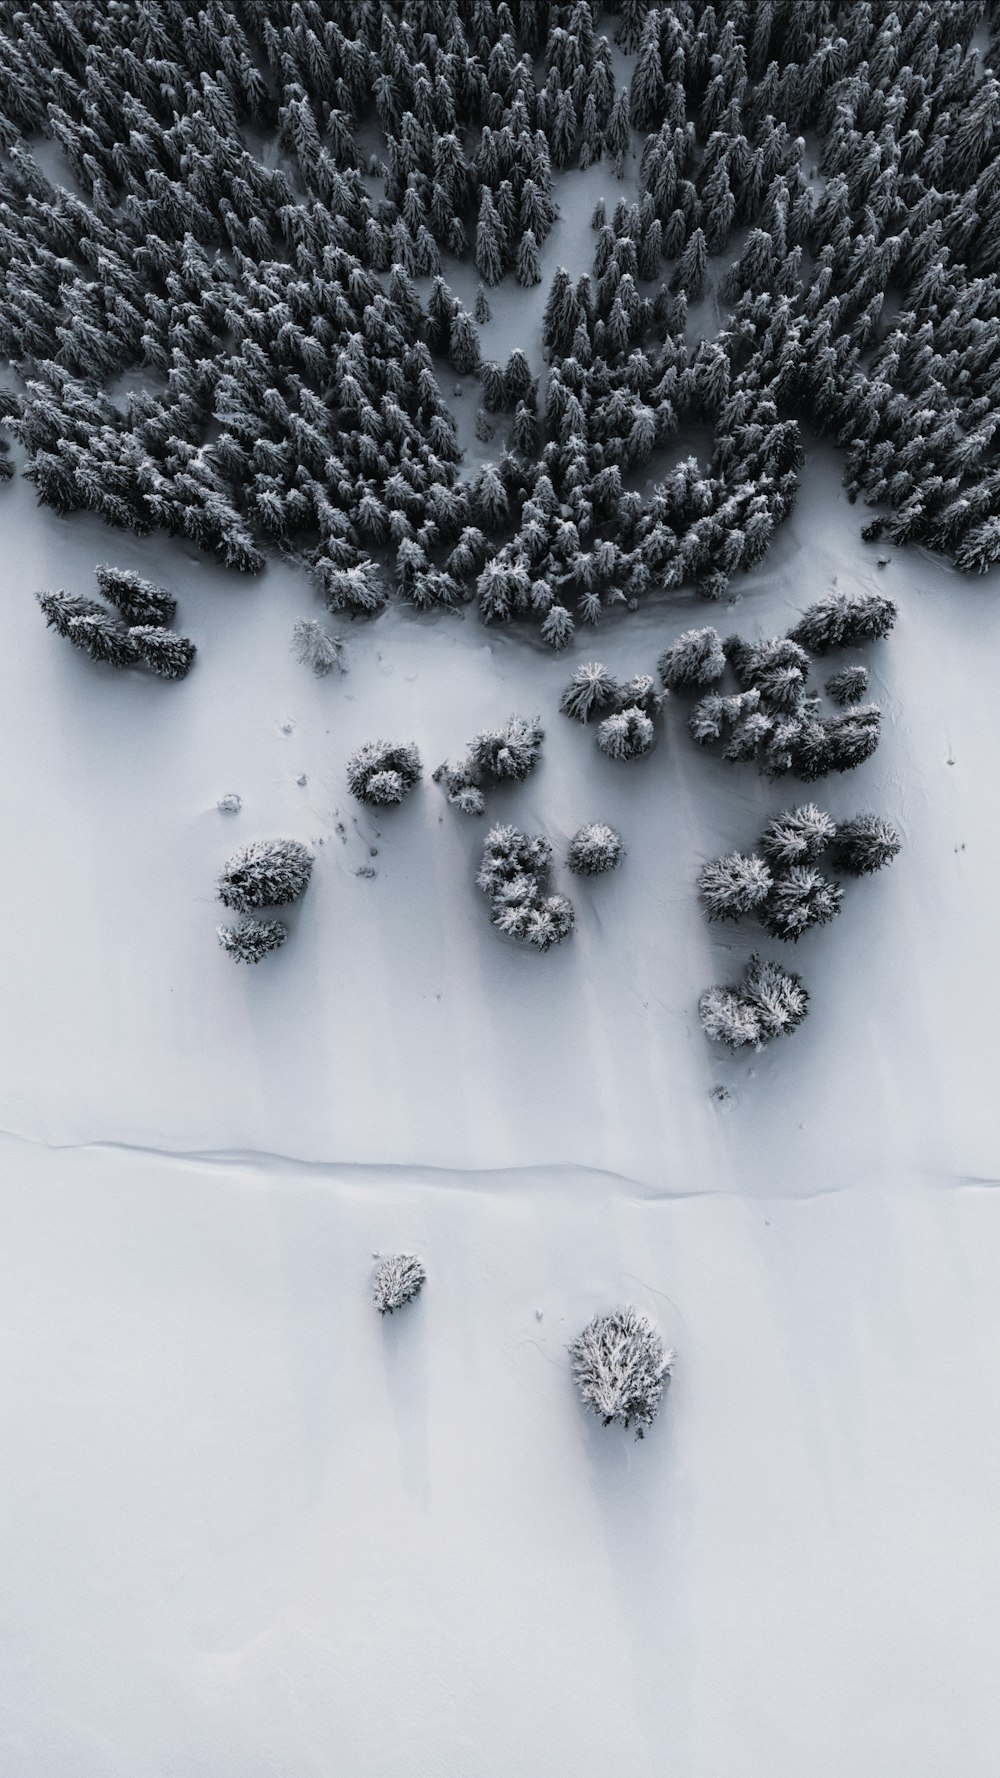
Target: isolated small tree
848,686
558,628
251,940
397,1281
317,648
164,652
797,836
798,899
591,689
626,735
383,772
735,885
595,848
138,600
622,1367
865,844
264,874
696,658
841,619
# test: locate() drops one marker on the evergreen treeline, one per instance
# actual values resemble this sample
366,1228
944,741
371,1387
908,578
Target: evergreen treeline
293,320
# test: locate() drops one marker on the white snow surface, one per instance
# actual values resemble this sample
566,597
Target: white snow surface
249,1529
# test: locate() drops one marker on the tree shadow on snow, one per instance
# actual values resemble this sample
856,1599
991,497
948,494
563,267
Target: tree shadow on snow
404,1351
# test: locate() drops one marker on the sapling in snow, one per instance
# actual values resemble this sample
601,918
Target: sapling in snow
266,873
864,844
317,648
622,1367
383,772
595,848
841,619
397,1281
250,940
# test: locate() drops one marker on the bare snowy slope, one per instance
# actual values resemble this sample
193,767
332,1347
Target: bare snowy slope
250,1530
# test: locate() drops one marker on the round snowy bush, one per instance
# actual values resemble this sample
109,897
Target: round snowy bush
251,940
382,772
865,844
696,658
266,873
625,735
595,848
622,1367
397,1281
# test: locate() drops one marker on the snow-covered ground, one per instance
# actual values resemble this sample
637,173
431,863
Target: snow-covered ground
250,1530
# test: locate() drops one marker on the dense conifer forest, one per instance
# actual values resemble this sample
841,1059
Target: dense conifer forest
228,314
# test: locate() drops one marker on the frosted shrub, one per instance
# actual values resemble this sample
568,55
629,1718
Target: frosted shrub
797,836
622,1367
696,658
769,1001
251,940
591,689
397,1281
508,753
266,873
382,772
848,686
164,652
865,844
625,735
316,647
840,619
733,886
138,600
595,848
799,898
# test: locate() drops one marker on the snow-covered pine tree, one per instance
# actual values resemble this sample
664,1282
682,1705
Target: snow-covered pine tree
595,848
59,607
799,898
491,246
735,885
848,686
591,689
397,1281
317,648
622,1367
164,652
383,772
103,639
250,940
509,752
841,619
627,734
865,843
769,1001
696,658
558,628
797,836
264,874
138,600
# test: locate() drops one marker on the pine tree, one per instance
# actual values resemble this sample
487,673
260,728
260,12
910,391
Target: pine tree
848,686
626,735
482,311
528,267
798,899
463,345
692,267
491,249
734,885
265,874
622,1367
558,628
864,844
769,1001
316,648
594,849
797,836
138,600
696,658
250,940
383,772
397,1281
58,609
842,619
591,689
103,639
508,752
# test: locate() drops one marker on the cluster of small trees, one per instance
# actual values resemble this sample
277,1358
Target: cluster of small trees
383,772
291,363
263,874
497,755
769,1001
131,630
773,718
514,873
628,730
781,884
